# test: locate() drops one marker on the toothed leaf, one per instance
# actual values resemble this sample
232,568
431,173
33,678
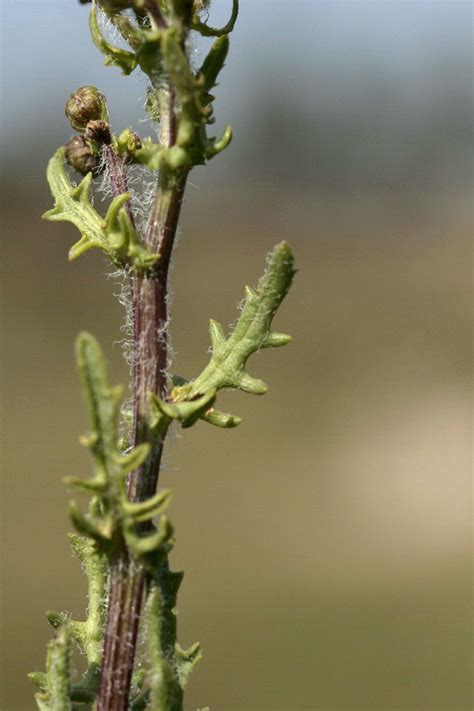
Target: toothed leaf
103,401
90,632
226,368
55,684
186,661
115,234
165,690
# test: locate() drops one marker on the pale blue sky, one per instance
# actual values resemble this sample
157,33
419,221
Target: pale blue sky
320,55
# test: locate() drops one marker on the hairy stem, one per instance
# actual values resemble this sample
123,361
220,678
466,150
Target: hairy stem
150,361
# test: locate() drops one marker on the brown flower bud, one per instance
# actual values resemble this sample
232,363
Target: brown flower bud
98,131
86,104
80,156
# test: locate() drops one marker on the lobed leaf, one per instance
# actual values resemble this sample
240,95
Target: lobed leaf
115,234
55,685
226,368
186,660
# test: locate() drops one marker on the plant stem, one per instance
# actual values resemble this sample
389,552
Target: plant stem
150,361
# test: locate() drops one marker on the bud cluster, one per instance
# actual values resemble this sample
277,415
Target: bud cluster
87,113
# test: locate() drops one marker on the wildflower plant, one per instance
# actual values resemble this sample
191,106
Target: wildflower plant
123,536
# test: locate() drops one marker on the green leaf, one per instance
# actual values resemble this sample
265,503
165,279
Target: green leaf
213,416
217,145
104,412
187,412
165,691
115,56
170,666
56,619
87,527
142,545
186,660
213,63
192,146
148,509
91,632
226,368
133,459
149,54
221,419
115,234
207,31
55,685
103,401
177,64
95,485
38,678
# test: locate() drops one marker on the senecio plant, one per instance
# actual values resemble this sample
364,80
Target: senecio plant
124,538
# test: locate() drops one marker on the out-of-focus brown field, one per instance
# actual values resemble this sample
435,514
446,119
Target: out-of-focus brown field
326,542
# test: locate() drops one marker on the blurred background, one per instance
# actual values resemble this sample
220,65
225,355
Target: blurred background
326,542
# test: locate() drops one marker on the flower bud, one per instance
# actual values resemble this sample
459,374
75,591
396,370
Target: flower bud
86,104
98,132
80,156
127,143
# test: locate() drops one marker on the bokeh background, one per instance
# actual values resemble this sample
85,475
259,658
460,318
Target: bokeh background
326,542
